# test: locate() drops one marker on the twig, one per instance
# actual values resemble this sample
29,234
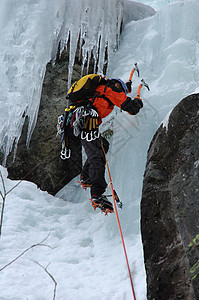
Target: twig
35,245
4,188
3,196
20,181
53,279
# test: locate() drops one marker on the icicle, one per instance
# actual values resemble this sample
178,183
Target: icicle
96,26
31,33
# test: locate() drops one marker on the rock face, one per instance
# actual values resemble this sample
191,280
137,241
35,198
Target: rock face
170,206
41,162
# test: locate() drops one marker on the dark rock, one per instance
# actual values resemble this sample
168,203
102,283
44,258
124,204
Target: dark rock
169,206
40,162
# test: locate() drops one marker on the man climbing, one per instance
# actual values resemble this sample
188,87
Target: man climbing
93,173
106,95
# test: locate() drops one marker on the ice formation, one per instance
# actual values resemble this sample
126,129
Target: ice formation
30,34
86,246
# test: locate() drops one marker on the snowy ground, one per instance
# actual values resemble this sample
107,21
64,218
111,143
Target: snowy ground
86,258
82,248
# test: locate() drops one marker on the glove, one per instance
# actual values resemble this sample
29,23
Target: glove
137,101
128,84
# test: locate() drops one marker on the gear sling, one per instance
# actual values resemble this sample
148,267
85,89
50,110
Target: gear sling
81,115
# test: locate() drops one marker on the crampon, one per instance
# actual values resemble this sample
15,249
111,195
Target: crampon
84,185
102,203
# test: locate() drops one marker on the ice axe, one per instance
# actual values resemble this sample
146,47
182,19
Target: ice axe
143,83
129,82
133,70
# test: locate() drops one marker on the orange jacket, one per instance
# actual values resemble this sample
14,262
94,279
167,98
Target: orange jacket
114,97
104,108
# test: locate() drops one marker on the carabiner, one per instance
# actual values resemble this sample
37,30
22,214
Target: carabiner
87,137
76,130
96,134
83,137
65,154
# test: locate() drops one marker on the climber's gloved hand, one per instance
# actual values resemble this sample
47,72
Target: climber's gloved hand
138,102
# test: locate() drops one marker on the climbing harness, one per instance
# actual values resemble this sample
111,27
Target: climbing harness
118,222
83,121
90,130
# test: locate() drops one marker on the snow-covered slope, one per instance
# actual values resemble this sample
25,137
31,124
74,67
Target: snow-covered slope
86,258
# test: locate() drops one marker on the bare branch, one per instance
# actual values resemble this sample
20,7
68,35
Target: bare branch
2,210
3,196
3,183
22,179
28,173
50,275
26,250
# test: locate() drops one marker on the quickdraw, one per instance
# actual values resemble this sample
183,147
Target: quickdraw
59,124
86,123
82,121
90,136
78,120
66,151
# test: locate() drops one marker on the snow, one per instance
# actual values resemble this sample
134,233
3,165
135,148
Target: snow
165,122
85,254
196,91
85,257
157,4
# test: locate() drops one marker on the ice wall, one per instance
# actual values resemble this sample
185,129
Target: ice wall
30,32
157,4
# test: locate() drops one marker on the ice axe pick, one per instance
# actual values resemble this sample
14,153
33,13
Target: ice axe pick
132,72
143,83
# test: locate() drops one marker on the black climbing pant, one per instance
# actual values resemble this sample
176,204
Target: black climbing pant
94,167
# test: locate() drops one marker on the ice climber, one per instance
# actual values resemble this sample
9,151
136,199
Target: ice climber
106,95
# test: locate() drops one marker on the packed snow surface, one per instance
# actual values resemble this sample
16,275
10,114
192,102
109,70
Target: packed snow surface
79,247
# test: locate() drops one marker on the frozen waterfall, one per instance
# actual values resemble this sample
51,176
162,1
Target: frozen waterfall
30,34
86,257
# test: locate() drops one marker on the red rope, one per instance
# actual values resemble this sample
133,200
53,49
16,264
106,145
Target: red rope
119,225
